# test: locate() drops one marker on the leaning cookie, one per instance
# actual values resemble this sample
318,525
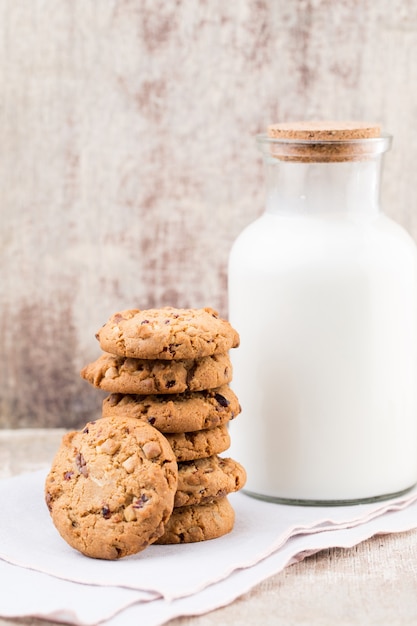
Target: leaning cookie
199,444
199,522
111,487
179,413
204,480
141,376
167,333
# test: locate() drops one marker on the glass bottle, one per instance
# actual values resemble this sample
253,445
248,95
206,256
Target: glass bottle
323,292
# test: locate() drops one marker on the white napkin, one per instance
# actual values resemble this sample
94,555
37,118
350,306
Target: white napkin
266,538
27,593
241,581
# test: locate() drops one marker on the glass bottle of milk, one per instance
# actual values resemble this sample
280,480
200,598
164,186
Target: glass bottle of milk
323,292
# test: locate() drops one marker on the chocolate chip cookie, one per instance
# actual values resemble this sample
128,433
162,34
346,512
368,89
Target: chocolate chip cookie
111,487
142,376
201,522
167,333
199,444
178,413
204,480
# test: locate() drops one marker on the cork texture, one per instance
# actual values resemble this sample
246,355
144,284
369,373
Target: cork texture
322,130
324,141
129,163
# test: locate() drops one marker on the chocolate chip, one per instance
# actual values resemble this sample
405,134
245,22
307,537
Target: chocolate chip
170,383
191,372
224,402
48,500
140,502
151,420
145,322
68,475
167,322
105,511
85,431
81,464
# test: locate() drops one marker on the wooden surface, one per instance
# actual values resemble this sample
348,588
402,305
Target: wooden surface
374,583
128,163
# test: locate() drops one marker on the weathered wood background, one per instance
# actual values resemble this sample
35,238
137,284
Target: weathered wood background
128,163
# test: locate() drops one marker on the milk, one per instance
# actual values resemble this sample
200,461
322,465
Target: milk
325,302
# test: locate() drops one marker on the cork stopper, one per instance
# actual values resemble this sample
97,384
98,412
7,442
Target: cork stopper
324,131
325,140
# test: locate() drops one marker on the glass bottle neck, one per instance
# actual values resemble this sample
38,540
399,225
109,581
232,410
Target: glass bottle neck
324,188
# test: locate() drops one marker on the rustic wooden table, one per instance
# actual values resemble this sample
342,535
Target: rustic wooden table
373,583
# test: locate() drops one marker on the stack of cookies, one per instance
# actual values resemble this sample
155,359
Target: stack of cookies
169,370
